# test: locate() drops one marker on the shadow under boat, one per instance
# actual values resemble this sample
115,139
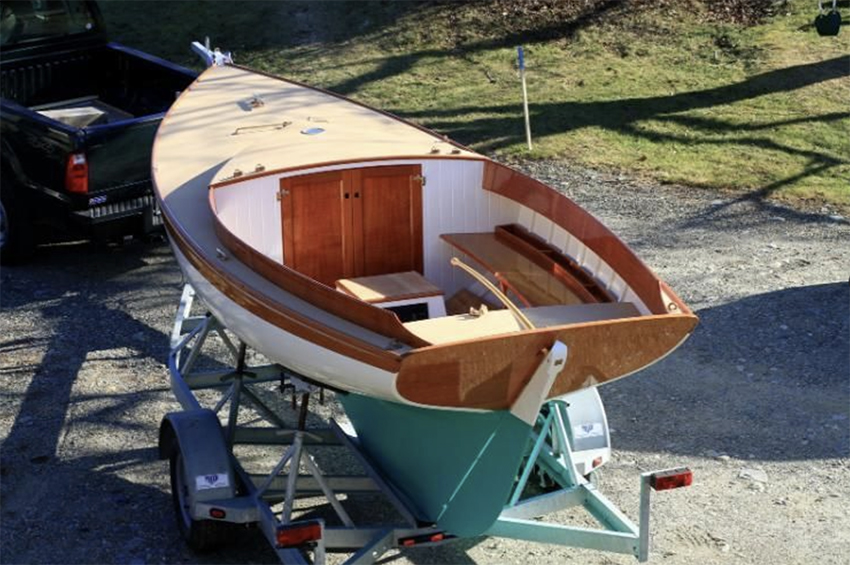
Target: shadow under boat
764,377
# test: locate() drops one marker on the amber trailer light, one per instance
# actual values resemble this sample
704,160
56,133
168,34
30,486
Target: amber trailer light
77,174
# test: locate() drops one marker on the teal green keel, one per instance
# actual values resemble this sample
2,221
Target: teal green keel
456,468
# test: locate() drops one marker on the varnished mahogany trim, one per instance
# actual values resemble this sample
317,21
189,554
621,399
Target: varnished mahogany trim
339,304
276,313
551,260
544,200
489,373
284,318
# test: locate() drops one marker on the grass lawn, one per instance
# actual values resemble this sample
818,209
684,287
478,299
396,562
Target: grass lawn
659,91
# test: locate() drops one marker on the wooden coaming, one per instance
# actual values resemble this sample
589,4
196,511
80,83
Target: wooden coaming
567,214
337,303
276,313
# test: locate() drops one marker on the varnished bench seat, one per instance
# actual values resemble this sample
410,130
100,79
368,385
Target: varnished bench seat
532,270
395,289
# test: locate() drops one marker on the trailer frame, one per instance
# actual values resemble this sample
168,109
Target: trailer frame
213,493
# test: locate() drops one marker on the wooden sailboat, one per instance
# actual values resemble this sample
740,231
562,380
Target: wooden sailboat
350,246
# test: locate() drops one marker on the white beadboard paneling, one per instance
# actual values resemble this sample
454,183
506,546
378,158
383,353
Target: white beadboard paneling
526,217
605,274
542,227
251,211
432,171
227,207
559,238
574,247
473,179
502,210
618,287
453,202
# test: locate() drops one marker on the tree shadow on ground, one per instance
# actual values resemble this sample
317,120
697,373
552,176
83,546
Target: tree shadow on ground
79,322
62,462
764,377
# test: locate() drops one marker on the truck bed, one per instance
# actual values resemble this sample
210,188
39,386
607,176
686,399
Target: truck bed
112,77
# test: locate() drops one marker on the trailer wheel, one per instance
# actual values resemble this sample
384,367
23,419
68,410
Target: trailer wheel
200,535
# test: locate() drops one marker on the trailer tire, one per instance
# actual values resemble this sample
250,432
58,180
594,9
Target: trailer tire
17,239
200,535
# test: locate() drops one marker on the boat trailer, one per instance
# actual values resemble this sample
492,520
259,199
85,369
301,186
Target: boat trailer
215,492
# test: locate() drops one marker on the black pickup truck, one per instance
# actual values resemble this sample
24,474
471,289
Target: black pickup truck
77,120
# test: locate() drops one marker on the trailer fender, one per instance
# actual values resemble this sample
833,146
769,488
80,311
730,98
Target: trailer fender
196,435
588,431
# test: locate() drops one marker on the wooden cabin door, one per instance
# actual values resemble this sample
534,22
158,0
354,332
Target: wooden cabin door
316,225
353,223
387,220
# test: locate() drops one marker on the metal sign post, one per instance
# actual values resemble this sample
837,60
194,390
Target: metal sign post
524,96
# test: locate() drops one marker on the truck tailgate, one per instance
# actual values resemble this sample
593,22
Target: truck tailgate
119,156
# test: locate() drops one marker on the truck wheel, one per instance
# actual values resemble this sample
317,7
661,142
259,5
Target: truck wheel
17,241
200,535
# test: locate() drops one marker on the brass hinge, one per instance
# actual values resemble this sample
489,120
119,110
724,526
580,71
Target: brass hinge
420,178
281,193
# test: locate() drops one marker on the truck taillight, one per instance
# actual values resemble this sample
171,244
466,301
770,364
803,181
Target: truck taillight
77,173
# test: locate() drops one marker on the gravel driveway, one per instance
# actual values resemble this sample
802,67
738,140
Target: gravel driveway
757,402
